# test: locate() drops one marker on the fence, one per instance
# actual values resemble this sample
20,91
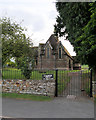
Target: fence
76,83
73,82
12,73
86,82
40,82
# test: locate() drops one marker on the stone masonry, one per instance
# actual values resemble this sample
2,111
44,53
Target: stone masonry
43,87
53,55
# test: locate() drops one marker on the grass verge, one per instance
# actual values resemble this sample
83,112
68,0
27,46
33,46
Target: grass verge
27,97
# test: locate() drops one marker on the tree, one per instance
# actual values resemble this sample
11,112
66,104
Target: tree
78,20
26,63
88,40
71,19
14,41
16,45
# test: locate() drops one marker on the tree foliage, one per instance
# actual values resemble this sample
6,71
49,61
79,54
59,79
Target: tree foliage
88,39
16,45
71,19
14,41
26,64
78,21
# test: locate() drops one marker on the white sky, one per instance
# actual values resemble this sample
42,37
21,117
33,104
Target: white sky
38,17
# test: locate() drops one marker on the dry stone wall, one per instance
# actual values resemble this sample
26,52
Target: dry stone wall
94,89
43,87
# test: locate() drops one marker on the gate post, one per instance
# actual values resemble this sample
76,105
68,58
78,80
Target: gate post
91,83
56,84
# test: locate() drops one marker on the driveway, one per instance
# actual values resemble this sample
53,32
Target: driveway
58,108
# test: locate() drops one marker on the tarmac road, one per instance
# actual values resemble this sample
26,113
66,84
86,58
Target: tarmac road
57,108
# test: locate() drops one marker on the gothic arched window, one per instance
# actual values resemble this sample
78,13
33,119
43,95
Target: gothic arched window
60,55
48,52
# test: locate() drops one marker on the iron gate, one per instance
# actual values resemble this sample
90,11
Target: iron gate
76,82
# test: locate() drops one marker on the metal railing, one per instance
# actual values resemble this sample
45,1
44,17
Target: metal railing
67,82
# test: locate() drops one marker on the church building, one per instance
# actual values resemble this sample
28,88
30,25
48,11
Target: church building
53,55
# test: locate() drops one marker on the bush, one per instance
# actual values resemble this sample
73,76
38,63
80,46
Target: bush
26,65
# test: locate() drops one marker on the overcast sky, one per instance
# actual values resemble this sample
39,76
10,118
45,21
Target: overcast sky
38,16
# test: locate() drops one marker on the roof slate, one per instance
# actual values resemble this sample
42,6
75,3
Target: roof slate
54,41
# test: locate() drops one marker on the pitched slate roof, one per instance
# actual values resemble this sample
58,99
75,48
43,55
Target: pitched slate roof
54,41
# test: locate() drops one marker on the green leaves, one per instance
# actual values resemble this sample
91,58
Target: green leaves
79,19
26,64
14,41
16,45
73,17
89,38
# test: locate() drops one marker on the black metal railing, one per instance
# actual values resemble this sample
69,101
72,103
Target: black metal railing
67,82
76,82
36,74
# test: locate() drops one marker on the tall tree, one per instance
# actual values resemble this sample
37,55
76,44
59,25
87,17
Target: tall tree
78,21
88,40
14,41
70,21
16,45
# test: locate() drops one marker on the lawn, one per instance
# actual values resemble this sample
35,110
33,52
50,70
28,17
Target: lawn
12,73
84,67
27,96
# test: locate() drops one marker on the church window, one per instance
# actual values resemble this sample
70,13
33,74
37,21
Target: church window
60,55
48,52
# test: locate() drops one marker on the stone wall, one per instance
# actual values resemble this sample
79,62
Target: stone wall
94,89
43,87
55,64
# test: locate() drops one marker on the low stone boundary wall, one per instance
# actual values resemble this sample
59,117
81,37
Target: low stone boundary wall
94,89
43,87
